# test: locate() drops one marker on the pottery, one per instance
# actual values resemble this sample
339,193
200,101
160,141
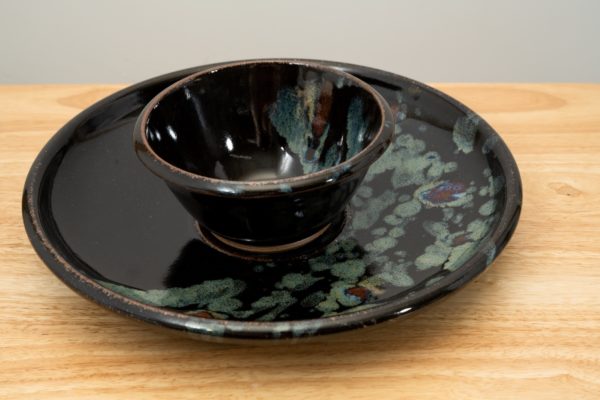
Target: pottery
264,154
431,214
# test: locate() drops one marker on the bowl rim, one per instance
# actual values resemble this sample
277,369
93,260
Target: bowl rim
225,187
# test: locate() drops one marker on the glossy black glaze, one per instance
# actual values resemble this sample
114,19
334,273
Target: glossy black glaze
264,153
114,233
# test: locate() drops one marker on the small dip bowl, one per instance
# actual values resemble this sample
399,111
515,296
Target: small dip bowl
264,154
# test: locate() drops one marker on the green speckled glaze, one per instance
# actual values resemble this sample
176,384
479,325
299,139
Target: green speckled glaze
294,114
465,129
413,191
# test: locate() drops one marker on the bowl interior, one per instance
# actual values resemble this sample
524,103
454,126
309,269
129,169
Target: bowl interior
263,121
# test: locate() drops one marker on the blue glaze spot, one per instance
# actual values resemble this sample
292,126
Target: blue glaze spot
444,193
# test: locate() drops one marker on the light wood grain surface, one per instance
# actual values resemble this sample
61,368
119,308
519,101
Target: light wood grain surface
528,328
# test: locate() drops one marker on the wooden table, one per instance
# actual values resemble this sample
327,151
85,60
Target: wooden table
528,328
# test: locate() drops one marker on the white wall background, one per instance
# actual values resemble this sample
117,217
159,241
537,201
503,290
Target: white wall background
461,40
